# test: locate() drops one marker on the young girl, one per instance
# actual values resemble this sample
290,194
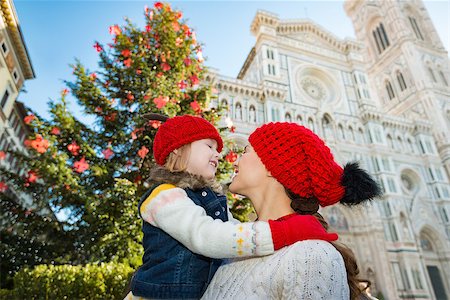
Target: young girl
287,171
187,148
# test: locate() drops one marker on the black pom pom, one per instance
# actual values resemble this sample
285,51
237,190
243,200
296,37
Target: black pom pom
359,185
155,117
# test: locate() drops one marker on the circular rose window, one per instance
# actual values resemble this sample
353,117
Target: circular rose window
317,85
314,88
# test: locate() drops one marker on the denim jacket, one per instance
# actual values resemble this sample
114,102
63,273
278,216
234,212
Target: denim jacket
169,269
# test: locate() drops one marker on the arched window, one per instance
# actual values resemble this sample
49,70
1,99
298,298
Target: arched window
390,90
400,143
311,124
425,243
381,38
224,106
401,81
238,111
415,28
360,136
326,127
352,133
341,132
252,114
390,141
287,117
299,119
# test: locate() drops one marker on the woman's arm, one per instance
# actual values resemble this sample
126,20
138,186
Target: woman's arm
170,209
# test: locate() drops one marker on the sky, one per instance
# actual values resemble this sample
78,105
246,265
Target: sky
57,33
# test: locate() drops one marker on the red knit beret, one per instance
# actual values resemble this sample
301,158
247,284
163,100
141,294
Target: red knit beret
299,160
182,130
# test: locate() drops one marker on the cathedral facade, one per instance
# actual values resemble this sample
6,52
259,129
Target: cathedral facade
382,100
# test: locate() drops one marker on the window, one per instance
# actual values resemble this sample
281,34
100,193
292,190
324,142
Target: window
311,124
366,93
224,107
252,114
288,118
430,171
380,37
390,90
392,185
416,28
430,70
275,114
15,75
238,111
376,165
390,141
5,98
341,132
358,94
401,81
360,136
444,215
405,279
362,78
387,209
224,104
386,164
299,119
271,69
445,192
4,47
393,232
326,127
352,133
438,173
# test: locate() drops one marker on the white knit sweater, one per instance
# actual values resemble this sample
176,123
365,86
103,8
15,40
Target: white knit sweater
310,269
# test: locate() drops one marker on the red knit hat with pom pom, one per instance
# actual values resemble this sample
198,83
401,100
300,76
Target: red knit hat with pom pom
299,160
179,131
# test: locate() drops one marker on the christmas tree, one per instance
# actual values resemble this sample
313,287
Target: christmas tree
93,175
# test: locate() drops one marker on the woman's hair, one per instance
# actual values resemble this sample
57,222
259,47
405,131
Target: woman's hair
310,206
177,162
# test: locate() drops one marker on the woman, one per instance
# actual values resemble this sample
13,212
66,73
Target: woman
286,170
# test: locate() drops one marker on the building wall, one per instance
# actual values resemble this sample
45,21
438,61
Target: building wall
15,68
300,72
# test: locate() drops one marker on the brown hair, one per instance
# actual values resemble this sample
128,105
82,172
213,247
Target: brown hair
310,206
177,162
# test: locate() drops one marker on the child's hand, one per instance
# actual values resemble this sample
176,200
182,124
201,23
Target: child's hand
296,228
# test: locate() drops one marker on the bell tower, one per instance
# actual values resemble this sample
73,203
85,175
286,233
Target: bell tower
407,63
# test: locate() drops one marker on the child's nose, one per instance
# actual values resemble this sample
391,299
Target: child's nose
236,162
